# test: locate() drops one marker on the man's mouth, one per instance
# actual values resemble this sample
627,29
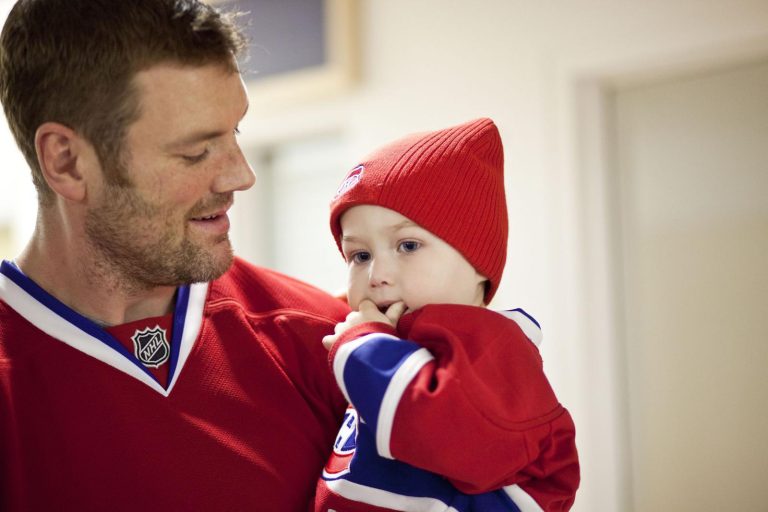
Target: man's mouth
209,217
213,210
214,223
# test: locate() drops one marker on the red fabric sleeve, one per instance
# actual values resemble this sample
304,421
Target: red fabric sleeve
483,414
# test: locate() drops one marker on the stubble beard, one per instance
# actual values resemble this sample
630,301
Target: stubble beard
137,246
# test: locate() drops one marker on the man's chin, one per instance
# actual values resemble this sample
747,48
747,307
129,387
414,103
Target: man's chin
204,266
220,263
223,267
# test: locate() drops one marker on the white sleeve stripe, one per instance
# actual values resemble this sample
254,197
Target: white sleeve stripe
402,378
342,356
522,499
386,499
529,328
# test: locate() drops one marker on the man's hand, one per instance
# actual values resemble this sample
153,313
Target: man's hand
367,312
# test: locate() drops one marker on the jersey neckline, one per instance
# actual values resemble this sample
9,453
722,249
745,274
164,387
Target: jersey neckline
64,324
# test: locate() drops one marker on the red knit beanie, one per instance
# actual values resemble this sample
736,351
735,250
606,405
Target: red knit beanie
450,182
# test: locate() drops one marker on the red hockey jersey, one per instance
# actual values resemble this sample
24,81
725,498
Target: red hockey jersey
452,412
246,421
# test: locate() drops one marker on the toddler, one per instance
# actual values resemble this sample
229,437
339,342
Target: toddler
449,405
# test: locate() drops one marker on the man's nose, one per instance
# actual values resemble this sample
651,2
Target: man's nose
236,173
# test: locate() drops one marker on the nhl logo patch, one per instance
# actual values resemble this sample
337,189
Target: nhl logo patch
350,181
151,346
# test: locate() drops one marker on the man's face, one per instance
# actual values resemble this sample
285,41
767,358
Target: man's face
184,163
391,259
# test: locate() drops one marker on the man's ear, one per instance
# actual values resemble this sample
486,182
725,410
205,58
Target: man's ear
58,154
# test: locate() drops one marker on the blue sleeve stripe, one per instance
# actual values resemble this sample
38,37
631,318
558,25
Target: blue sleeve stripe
400,381
364,369
522,499
342,356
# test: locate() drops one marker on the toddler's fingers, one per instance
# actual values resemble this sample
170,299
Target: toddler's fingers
395,311
367,306
329,340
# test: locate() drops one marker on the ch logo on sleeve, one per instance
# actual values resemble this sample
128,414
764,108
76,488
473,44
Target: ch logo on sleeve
343,448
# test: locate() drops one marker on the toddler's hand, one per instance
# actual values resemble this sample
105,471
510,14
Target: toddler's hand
367,312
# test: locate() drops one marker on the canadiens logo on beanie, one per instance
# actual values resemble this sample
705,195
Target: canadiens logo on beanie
450,182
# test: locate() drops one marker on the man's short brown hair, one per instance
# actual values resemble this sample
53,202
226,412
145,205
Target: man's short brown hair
73,62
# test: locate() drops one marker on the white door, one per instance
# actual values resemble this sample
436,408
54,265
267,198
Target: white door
692,158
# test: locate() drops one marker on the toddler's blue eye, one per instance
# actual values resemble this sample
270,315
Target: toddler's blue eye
409,246
360,257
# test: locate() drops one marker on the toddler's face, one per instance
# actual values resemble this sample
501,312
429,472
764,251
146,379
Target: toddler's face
390,258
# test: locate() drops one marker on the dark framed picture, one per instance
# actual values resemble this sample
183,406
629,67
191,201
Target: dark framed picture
297,49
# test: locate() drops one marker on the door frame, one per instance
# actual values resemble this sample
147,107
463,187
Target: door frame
597,246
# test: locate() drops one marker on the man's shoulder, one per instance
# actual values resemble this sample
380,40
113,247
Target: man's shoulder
261,289
13,329
9,317
5,318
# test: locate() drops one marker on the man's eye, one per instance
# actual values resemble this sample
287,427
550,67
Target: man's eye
193,159
360,257
409,246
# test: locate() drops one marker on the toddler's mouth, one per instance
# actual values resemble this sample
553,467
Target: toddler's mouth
384,306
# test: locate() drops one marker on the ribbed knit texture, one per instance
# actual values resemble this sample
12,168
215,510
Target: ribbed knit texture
450,182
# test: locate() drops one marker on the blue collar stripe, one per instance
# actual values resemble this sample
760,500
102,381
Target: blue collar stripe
179,318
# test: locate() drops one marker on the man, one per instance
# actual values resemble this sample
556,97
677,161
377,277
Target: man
140,368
